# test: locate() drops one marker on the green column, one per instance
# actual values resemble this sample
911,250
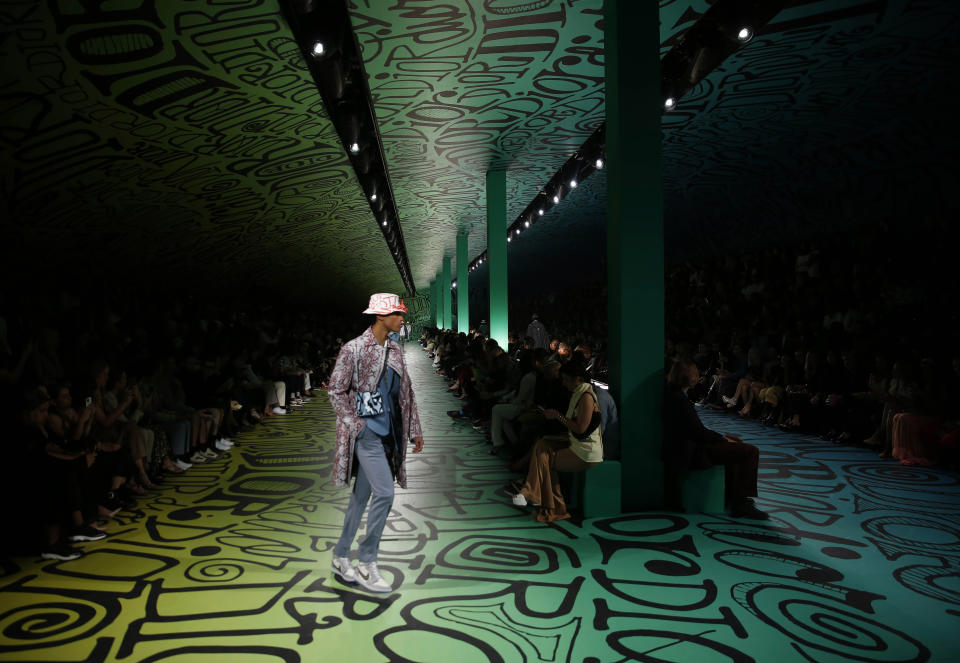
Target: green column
497,254
635,262
446,296
438,313
463,285
432,321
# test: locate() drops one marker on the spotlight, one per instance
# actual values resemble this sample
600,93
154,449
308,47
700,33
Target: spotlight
599,164
573,184
373,197
517,231
454,284
384,223
745,35
669,103
540,211
526,224
556,199
318,49
508,238
354,148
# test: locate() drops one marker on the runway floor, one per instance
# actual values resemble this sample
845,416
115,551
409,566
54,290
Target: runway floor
230,562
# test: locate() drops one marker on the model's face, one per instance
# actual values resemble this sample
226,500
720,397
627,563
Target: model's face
393,322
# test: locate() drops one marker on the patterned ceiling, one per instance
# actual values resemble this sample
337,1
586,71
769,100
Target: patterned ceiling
184,142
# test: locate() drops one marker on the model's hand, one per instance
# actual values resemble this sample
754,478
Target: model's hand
417,445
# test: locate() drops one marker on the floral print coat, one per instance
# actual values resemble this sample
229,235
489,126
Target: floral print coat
361,354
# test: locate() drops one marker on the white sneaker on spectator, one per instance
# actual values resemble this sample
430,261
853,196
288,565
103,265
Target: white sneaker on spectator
212,455
368,575
342,567
222,446
519,500
198,457
182,464
226,440
279,410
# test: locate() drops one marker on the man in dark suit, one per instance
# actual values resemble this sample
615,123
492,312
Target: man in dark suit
689,445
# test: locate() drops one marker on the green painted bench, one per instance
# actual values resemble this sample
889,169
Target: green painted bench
594,492
703,490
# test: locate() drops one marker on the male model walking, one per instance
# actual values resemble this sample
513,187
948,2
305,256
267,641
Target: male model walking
376,415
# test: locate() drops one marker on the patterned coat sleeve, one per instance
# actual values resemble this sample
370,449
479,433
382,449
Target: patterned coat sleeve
341,393
338,386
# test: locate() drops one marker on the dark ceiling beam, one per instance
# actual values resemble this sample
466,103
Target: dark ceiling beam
723,29
331,53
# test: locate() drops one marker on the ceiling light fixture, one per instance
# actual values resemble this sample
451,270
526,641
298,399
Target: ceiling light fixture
526,224
556,198
540,211
373,197
670,103
745,35
599,164
573,184
354,148
318,48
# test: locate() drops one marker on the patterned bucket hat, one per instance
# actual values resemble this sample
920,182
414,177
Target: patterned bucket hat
385,303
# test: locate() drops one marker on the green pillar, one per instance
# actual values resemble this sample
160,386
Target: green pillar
497,254
463,285
433,304
634,103
438,313
446,295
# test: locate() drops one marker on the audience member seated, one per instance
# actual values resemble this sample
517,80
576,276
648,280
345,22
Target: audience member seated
580,449
689,445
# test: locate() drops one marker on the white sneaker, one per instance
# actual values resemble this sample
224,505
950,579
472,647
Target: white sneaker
368,575
519,500
212,455
226,440
223,446
279,410
182,464
198,457
341,566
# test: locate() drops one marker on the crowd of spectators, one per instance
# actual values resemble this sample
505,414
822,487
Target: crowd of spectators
112,395
850,338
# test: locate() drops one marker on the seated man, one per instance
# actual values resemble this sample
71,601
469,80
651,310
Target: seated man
689,445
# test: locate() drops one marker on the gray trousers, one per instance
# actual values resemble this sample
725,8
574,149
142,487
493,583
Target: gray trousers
373,478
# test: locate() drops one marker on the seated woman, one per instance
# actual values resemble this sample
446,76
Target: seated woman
581,449
53,471
689,445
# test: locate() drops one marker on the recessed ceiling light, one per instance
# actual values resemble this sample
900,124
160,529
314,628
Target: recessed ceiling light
540,211
354,147
318,48
526,224
669,103
384,223
573,184
599,164
373,196
556,199
744,35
